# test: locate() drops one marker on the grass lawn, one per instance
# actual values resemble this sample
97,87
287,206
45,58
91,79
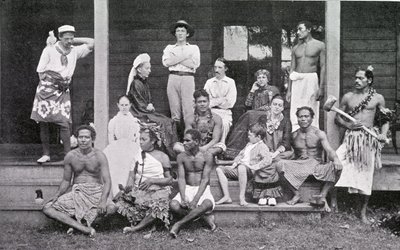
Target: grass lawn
334,231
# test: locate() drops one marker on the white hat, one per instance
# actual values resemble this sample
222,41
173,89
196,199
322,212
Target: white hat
66,28
142,58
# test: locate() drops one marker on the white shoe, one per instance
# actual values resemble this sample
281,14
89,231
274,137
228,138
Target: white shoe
43,159
271,202
262,201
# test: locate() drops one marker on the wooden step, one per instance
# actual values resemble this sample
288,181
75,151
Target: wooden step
307,190
20,179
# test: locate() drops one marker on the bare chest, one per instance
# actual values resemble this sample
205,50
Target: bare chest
305,140
307,50
355,101
194,164
86,163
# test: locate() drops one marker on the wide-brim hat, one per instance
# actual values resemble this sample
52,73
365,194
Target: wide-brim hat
183,23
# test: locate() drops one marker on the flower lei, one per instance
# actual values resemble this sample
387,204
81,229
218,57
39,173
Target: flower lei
210,123
363,103
273,124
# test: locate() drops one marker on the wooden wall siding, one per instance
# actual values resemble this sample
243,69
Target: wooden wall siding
83,80
24,29
143,27
369,38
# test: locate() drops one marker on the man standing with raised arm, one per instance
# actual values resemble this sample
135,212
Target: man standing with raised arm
52,103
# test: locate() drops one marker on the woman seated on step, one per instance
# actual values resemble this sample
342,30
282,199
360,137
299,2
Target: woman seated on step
258,101
277,130
146,196
138,91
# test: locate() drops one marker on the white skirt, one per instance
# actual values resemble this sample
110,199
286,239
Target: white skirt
120,155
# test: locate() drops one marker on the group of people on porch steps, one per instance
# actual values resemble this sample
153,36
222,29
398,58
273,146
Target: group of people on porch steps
269,149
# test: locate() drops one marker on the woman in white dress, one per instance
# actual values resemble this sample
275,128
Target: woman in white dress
123,138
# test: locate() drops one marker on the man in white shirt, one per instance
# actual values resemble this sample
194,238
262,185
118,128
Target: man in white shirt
52,103
182,59
222,91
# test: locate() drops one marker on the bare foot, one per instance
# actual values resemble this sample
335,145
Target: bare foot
224,200
364,219
210,220
127,230
174,231
294,200
243,203
92,232
326,206
334,206
70,231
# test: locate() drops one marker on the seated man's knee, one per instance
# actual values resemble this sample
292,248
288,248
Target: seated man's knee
207,204
215,151
174,205
47,208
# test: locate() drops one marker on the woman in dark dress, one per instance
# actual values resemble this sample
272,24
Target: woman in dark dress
138,92
278,128
259,101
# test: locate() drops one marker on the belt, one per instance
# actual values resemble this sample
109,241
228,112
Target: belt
181,73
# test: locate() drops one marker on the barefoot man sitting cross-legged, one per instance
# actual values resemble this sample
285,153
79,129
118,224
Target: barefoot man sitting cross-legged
194,199
308,142
87,167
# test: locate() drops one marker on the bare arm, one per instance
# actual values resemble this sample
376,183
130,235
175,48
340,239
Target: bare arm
84,40
292,68
181,177
322,64
205,179
217,133
105,176
67,176
385,127
188,123
322,76
343,106
329,150
65,183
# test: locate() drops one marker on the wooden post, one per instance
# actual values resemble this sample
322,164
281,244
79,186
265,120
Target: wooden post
332,34
101,101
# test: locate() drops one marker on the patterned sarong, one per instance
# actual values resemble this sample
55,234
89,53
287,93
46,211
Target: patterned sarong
137,204
297,171
52,101
81,202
